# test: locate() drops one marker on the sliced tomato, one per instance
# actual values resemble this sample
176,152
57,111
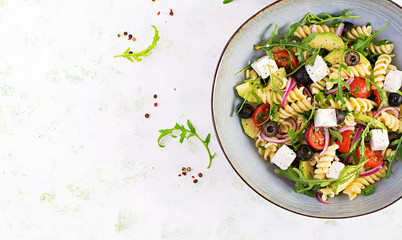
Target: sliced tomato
374,157
344,146
359,89
283,59
377,98
315,137
261,114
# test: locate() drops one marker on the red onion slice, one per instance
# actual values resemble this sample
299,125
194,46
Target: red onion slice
317,195
372,171
346,128
313,28
335,90
393,109
305,91
358,133
272,140
339,30
326,144
290,88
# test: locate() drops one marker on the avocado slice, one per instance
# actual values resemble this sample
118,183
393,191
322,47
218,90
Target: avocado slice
326,40
306,168
244,88
334,56
249,127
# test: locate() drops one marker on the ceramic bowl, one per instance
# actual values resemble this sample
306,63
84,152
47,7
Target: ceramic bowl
241,151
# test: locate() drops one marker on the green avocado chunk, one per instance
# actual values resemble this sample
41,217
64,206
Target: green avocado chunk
335,56
249,127
306,168
326,40
244,88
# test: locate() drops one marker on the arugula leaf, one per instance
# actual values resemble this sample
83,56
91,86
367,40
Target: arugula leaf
336,134
368,190
394,158
361,44
381,92
381,43
244,69
186,134
137,56
322,18
227,1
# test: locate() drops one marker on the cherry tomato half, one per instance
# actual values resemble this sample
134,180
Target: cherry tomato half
344,146
261,114
283,59
377,98
374,157
316,137
359,89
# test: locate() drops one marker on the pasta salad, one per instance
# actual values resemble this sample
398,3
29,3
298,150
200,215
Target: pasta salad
324,105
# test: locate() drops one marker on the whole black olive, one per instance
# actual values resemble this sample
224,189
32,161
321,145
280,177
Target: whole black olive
302,76
392,136
348,26
340,116
246,111
304,153
270,129
395,99
352,58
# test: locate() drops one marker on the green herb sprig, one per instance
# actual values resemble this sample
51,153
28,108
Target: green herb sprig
227,1
362,43
139,55
322,18
186,134
394,158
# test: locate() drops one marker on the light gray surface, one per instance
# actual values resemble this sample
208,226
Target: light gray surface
78,159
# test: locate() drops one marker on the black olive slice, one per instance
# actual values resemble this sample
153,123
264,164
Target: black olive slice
352,58
270,129
246,111
340,116
304,153
395,99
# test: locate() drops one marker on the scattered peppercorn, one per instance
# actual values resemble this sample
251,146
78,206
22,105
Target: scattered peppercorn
171,12
134,39
125,33
130,36
155,104
118,35
184,173
195,181
192,176
146,115
179,175
131,52
200,175
155,96
183,169
188,169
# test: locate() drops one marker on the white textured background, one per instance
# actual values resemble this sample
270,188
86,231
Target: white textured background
78,159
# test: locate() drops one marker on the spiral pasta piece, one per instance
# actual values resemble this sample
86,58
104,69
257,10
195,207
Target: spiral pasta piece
266,149
380,69
382,49
359,70
329,191
324,162
349,120
353,104
305,31
388,153
356,33
317,87
361,183
390,121
297,93
294,108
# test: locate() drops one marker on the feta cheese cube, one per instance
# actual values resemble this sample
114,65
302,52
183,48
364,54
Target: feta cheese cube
379,139
262,65
319,70
393,81
284,157
335,169
325,118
